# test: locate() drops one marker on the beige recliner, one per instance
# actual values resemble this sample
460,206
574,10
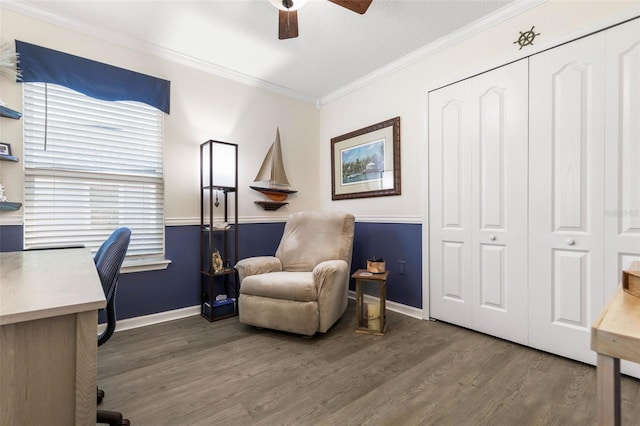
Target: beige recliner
303,288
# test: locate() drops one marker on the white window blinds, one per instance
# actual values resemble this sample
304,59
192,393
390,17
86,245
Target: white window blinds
92,166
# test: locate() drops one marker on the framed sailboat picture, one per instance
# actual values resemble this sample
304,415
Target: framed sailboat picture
366,162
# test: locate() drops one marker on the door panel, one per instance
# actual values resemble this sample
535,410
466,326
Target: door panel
568,150
566,196
570,287
450,201
622,158
452,162
499,199
540,259
452,267
492,277
477,194
628,88
492,150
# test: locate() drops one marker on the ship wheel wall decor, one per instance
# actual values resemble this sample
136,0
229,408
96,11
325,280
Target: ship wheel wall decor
526,38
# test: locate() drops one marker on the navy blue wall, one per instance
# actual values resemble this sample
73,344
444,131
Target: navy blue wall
11,238
144,293
392,242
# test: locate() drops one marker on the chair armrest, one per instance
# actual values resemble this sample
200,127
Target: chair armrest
257,265
330,273
332,281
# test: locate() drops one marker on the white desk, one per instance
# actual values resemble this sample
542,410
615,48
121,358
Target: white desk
49,301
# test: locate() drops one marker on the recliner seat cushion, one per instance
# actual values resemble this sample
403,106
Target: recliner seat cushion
298,286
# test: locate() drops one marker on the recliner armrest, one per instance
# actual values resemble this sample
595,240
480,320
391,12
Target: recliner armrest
331,278
258,265
327,272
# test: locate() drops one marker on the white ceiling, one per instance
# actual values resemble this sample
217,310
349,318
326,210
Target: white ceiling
335,48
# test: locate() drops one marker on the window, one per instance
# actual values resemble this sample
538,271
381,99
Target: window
92,166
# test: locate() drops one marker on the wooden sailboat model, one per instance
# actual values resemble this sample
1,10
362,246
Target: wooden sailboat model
272,179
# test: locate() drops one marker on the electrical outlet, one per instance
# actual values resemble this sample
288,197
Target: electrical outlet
402,267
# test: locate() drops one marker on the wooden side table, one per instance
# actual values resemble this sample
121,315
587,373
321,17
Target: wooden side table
371,294
615,335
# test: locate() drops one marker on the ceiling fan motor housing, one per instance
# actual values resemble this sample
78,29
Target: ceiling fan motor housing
288,15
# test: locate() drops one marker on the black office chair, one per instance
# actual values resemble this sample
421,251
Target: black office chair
108,260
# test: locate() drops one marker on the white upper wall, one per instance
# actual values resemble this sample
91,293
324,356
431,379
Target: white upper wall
404,93
203,106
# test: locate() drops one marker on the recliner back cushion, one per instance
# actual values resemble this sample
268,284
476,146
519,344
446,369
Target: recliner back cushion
311,237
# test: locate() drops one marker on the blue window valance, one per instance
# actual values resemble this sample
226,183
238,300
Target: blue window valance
95,79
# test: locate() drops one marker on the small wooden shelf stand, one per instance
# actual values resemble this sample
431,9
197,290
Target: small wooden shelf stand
214,195
371,294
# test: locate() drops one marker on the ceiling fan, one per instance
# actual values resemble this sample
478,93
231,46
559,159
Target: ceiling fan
288,13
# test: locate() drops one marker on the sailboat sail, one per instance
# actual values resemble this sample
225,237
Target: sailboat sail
272,168
276,185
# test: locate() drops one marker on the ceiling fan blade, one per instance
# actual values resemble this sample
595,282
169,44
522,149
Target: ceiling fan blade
287,24
358,6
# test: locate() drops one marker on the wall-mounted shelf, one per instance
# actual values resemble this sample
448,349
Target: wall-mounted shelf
9,113
9,206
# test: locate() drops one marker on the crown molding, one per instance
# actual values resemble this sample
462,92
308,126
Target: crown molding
470,30
497,17
501,15
34,11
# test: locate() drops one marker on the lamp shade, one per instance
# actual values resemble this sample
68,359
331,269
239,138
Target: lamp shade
219,161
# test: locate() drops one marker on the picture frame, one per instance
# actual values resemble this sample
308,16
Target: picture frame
366,162
5,149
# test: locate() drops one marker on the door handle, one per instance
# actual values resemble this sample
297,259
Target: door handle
570,241
492,237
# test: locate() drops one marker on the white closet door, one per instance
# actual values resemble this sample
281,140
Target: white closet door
566,204
450,204
622,158
478,202
499,164
622,155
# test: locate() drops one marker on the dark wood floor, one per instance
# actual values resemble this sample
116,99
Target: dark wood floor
192,372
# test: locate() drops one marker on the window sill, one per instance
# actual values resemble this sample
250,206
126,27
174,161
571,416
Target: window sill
145,265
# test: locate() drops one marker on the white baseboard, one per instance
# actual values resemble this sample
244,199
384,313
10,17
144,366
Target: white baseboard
161,317
409,311
158,318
